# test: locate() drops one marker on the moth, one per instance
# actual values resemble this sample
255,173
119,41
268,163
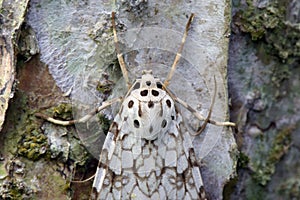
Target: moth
147,154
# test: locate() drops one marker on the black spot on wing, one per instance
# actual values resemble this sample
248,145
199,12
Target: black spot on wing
150,104
151,129
159,85
136,123
114,129
144,93
130,104
155,93
164,123
168,102
140,110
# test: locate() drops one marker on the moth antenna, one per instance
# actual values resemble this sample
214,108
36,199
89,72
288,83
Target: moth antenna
119,54
178,54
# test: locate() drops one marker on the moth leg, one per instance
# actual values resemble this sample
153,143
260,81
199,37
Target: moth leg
197,114
210,109
200,117
178,54
119,55
84,118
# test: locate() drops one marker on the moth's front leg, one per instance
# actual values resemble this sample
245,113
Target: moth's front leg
84,119
199,116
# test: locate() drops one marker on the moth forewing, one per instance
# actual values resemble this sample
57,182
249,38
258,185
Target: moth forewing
145,154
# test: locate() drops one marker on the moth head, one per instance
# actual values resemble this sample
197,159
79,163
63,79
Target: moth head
148,80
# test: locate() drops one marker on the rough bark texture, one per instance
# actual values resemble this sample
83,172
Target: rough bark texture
11,17
264,87
75,41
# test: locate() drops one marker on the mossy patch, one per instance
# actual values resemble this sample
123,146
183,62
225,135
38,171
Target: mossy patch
25,138
15,189
23,134
243,160
264,164
269,24
105,122
254,191
33,144
280,74
62,111
258,21
3,172
290,188
105,88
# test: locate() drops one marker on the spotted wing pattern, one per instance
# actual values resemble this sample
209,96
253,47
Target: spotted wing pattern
145,155
163,169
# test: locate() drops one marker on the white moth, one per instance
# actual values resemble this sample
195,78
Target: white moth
147,154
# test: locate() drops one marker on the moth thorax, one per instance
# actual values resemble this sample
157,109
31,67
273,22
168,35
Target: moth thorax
150,115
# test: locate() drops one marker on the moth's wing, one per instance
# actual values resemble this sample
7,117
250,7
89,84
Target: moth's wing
131,167
103,176
121,157
181,177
